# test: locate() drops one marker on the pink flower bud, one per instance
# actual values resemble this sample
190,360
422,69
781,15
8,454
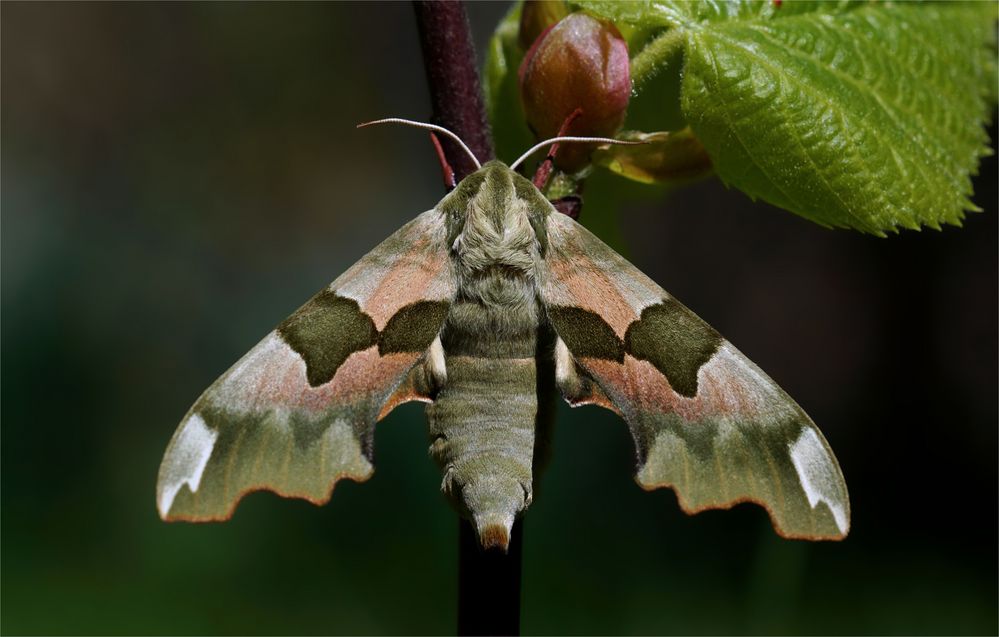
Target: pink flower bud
580,62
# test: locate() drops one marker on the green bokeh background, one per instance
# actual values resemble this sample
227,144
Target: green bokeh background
178,178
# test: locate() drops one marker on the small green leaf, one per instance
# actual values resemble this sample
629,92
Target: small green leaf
860,115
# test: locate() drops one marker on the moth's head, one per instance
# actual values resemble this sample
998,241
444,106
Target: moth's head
496,172
506,184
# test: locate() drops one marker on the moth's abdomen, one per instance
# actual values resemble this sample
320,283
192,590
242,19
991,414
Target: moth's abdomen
481,428
483,419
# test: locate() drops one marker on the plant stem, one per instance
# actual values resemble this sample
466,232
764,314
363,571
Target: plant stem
449,60
488,584
488,581
648,62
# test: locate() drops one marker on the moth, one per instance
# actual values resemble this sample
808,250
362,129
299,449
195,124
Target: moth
478,307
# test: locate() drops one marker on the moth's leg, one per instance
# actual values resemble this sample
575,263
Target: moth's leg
427,378
570,205
449,180
567,377
576,386
422,382
435,366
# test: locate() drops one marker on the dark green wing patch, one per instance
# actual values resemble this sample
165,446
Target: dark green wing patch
325,331
675,341
329,328
413,327
586,333
667,334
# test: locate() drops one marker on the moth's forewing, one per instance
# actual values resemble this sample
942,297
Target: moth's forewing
706,421
297,413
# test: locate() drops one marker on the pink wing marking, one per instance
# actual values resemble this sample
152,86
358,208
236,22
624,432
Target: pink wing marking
274,376
722,388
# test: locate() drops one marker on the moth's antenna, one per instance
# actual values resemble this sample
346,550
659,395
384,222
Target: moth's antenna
555,140
433,127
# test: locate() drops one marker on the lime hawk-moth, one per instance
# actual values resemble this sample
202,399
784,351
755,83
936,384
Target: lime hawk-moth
473,307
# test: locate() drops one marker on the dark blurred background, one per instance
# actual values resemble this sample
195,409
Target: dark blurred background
176,179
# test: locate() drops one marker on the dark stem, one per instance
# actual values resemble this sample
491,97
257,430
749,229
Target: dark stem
488,584
488,581
455,96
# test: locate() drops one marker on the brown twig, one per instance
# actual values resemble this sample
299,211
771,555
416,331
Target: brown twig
455,95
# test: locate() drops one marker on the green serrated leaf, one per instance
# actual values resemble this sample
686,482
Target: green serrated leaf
860,115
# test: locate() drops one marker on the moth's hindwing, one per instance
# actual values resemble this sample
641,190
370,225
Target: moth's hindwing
706,421
297,413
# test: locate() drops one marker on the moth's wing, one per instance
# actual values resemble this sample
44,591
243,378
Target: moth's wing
706,421
297,413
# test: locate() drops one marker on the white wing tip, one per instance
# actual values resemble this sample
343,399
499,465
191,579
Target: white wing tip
185,461
817,475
